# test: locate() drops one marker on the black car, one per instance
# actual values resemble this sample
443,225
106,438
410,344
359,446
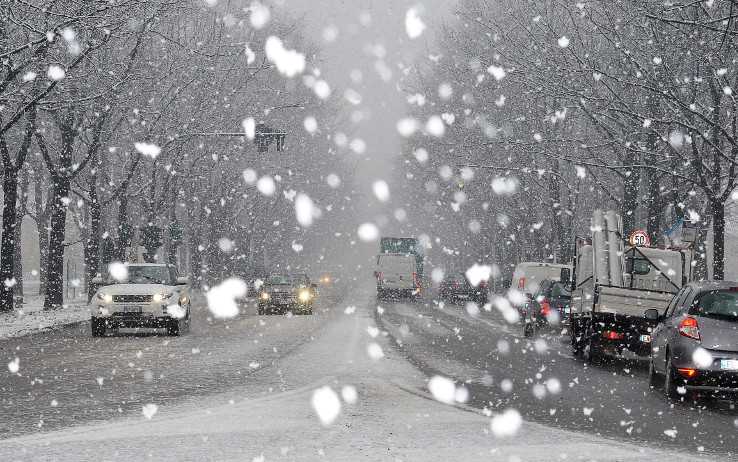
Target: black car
548,306
282,293
455,287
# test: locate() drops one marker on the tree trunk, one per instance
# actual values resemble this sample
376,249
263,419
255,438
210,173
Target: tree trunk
43,253
55,265
92,243
718,239
7,245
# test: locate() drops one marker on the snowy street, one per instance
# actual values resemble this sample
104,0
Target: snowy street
241,389
386,230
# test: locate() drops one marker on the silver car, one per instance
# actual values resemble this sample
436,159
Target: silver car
695,343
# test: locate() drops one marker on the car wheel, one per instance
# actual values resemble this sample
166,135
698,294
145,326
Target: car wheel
671,382
592,352
97,327
174,327
260,311
528,330
654,379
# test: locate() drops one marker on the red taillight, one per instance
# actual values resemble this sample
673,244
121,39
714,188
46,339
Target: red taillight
687,372
380,276
456,284
483,285
689,328
521,283
612,335
545,307
416,281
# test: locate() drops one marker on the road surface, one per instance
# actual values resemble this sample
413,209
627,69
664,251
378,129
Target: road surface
243,389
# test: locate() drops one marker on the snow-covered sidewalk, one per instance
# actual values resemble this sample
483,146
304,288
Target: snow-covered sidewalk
32,318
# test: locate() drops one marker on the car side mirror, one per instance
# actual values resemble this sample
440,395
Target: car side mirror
182,281
652,314
506,284
98,281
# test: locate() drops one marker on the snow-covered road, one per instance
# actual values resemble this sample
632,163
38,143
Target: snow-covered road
244,389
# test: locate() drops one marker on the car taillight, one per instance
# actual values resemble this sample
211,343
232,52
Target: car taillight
545,307
521,283
380,275
689,328
687,372
483,285
416,281
612,335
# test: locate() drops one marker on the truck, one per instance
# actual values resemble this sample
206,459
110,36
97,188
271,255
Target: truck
405,245
399,266
614,283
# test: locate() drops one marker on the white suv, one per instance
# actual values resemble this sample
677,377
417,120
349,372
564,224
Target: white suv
144,295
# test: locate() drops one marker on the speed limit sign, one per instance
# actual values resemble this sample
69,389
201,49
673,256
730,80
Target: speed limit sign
639,238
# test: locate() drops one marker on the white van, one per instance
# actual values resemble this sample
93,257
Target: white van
396,274
528,275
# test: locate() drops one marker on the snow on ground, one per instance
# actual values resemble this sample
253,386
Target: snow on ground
391,417
32,318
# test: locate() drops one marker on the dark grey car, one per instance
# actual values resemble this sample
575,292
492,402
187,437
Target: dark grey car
695,345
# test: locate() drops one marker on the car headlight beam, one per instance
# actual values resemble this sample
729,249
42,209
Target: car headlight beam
160,297
304,296
264,296
107,298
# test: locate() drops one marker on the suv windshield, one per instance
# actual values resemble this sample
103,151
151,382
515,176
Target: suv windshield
146,275
279,279
718,304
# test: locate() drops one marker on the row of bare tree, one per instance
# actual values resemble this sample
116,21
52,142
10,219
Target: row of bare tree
119,125
569,106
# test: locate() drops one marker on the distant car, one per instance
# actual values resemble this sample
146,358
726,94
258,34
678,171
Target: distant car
148,296
528,275
397,275
549,306
455,287
282,293
694,347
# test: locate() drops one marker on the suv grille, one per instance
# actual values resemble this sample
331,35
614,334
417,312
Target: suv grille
132,298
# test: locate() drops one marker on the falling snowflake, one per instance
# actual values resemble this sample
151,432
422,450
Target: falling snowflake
149,410
375,351
288,62
148,149
326,404
55,73
14,365
260,15
381,190
414,25
506,424
118,271
223,298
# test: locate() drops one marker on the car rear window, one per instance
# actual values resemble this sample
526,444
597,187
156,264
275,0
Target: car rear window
718,304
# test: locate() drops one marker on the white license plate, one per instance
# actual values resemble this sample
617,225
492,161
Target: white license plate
645,338
132,309
463,296
729,364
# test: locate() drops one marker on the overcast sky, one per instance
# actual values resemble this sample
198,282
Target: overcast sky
369,38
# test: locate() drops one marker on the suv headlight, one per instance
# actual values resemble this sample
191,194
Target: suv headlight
304,295
161,297
264,296
107,298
